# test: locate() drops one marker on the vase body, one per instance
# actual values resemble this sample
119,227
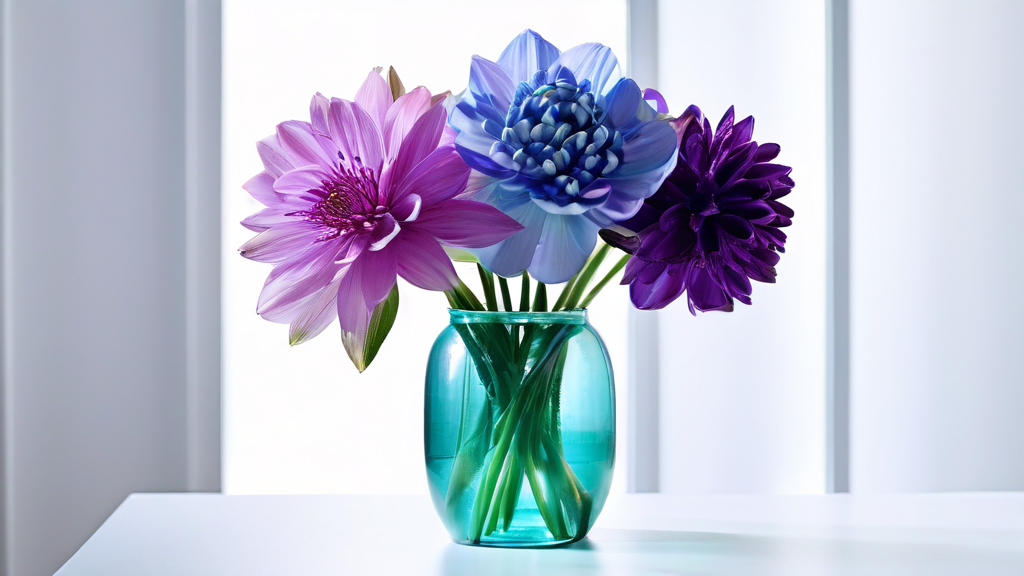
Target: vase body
519,427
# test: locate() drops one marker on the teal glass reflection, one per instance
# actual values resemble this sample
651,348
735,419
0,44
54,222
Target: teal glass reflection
519,427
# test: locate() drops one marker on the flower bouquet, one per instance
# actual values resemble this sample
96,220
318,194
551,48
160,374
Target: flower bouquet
543,154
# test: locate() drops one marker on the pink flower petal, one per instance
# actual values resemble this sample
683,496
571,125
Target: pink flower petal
466,224
401,117
315,315
279,244
374,97
438,177
297,140
356,135
422,261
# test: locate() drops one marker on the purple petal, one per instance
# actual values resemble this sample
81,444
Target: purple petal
318,107
315,315
657,294
467,224
705,294
594,62
440,176
423,262
387,230
378,272
269,218
527,54
304,183
298,278
402,116
274,157
356,135
374,97
297,140
279,244
418,143
652,95
261,187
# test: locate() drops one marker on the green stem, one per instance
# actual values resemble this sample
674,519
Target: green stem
524,297
506,296
487,279
604,281
565,291
588,272
540,299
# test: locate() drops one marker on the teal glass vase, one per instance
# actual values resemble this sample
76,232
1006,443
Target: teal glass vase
519,427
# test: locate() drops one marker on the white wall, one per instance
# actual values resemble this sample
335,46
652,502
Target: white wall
95,266
937,382
742,394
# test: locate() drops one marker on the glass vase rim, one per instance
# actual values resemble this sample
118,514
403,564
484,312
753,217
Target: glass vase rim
576,316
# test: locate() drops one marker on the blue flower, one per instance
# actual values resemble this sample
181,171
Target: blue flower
563,144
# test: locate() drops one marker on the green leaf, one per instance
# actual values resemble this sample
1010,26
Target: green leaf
363,352
460,254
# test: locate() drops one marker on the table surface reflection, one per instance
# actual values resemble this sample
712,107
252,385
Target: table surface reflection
637,534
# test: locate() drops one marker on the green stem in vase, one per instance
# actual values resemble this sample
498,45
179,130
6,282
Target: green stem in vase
604,281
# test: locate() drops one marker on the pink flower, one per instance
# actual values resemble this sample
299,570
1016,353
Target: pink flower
362,194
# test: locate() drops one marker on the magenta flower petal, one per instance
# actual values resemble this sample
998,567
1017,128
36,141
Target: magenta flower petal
346,206
378,273
302,184
279,243
440,176
467,224
298,278
275,159
261,187
318,108
423,262
374,96
269,218
315,315
421,141
402,116
356,134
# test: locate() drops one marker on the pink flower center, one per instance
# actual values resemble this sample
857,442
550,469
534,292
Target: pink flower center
352,202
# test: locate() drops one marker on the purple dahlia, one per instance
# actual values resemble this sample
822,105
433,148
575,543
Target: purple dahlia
355,198
714,224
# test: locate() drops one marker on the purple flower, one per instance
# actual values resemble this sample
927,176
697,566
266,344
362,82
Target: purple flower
361,195
562,144
714,224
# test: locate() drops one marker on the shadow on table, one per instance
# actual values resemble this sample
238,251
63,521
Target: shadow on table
609,552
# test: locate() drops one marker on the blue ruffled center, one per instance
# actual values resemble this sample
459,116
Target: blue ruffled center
558,137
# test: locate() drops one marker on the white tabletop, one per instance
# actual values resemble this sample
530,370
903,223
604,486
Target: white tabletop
637,534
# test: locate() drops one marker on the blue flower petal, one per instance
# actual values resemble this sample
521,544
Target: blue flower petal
651,152
622,104
491,87
527,54
595,62
565,245
513,255
481,161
